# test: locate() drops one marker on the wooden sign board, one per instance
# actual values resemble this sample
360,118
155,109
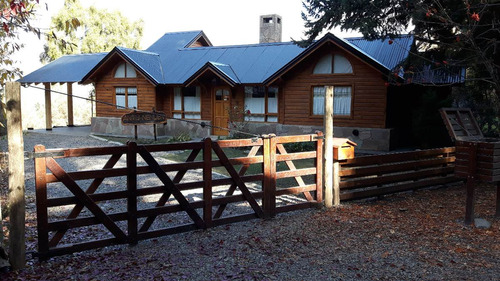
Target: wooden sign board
461,124
144,118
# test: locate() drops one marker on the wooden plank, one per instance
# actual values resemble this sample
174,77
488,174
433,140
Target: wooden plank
391,167
78,247
166,194
388,179
400,156
240,143
299,138
79,206
295,156
237,179
296,173
253,151
170,186
292,167
85,199
361,194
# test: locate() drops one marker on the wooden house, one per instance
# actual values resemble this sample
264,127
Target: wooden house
279,85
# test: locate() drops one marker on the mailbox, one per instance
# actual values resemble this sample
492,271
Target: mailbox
343,149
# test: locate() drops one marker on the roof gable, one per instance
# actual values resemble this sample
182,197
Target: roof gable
147,63
343,44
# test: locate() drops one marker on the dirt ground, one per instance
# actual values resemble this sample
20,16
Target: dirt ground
411,236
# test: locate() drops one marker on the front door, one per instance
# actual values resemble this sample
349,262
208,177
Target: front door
222,102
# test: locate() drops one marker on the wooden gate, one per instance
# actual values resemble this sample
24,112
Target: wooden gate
131,199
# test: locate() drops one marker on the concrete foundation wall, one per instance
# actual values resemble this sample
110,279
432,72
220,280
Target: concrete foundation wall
112,126
366,138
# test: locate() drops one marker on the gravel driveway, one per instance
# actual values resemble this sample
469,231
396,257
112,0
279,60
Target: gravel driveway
409,236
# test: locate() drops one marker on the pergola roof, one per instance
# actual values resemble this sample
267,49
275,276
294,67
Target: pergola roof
66,69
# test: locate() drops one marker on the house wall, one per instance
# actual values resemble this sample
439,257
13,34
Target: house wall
105,92
369,93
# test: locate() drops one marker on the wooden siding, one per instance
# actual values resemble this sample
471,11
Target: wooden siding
105,92
368,108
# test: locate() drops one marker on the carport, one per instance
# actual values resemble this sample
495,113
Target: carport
65,70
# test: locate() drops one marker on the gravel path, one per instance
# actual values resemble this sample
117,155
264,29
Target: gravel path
410,236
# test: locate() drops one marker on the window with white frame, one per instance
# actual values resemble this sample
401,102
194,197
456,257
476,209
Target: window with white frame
125,70
261,103
187,103
333,64
342,96
126,97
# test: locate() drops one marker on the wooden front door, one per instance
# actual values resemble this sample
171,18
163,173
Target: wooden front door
222,102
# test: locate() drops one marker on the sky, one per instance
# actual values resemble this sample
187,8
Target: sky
225,22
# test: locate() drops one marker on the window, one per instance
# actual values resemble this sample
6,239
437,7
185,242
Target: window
342,96
262,103
125,70
336,64
126,97
187,103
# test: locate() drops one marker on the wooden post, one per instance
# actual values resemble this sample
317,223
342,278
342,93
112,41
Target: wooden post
336,183
269,182
319,167
70,104
207,182
16,199
470,197
48,108
41,204
132,192
497,213
328,122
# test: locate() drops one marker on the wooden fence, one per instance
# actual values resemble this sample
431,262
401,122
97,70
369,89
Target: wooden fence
121,212
370,176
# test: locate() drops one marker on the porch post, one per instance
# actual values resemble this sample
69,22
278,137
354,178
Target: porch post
70,104
48,108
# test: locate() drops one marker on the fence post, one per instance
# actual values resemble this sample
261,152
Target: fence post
207,182
16,199
269,171
132,192
319,166
328,121
471,176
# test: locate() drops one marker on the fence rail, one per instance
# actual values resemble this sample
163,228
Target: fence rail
121,211
370,176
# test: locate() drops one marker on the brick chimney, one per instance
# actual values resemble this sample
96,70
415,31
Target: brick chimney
270,28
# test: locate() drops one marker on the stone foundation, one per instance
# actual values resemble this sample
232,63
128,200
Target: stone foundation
366,138
112,126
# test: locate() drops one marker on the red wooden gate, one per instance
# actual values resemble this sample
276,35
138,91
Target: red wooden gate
120,214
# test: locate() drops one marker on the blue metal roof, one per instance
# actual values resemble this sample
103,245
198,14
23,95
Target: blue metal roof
170,60
146,62
66,69
388,52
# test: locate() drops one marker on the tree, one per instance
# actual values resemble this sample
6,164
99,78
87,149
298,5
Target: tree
449,34
99,31
15,17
